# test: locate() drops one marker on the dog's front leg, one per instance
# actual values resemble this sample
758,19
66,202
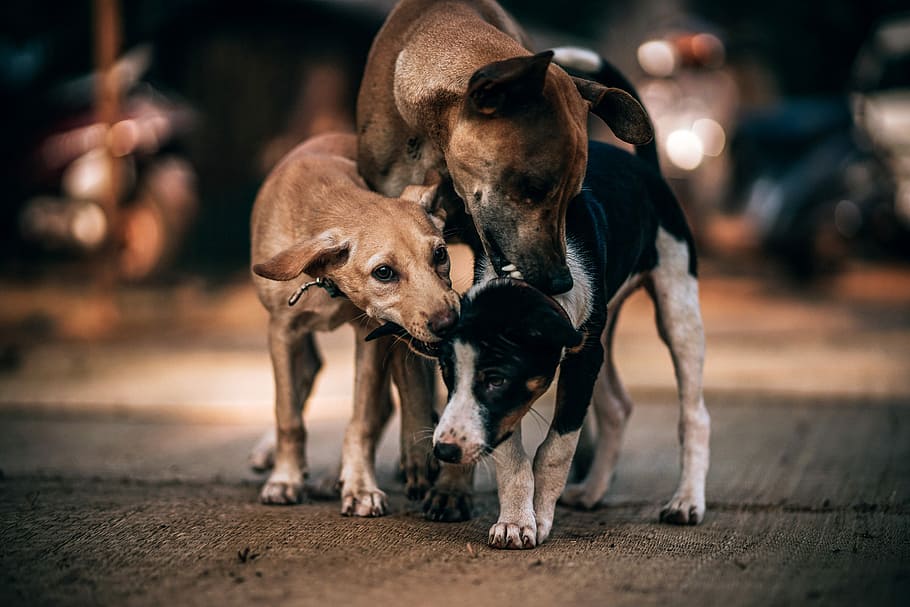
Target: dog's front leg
360,494
414,377
551,469
295,361
577,376
517,526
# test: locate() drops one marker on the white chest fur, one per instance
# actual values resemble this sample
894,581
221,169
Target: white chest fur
577,301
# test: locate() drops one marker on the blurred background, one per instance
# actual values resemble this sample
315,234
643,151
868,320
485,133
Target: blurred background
137,133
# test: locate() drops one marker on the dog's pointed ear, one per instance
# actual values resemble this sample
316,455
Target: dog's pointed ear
426,197
623,114
497,86
315,257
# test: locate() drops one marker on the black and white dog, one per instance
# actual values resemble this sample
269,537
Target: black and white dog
624,231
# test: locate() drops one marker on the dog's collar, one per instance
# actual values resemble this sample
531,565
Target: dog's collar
330,287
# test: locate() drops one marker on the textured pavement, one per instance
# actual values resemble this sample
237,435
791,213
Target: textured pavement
124,479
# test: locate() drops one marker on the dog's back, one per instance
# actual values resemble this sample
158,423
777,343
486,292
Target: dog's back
289,200
615,219
434,24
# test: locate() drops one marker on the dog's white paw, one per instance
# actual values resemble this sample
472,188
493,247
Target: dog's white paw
364,503
282,489
683,510
513,536
262,456
543,530
580,496
262,460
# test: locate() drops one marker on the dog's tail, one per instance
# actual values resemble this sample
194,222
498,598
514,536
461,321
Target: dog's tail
588,64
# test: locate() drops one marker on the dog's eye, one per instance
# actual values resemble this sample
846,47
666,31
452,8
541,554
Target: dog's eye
493,382
384,274
440,255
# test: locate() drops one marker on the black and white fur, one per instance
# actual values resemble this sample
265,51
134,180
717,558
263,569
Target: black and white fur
625,230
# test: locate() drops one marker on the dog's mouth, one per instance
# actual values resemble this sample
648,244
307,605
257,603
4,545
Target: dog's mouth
501,264
430,350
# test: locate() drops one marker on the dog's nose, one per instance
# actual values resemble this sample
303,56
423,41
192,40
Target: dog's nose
442,323
560,282
447,452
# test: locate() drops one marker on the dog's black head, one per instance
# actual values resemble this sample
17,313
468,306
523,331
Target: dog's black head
501,358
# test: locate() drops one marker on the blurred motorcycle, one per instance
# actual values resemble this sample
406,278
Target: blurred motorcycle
828,178
75,166
692,98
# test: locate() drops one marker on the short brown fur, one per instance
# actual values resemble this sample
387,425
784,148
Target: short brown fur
443,90
315,218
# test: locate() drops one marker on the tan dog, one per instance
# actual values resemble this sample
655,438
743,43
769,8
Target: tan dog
450,86
314,218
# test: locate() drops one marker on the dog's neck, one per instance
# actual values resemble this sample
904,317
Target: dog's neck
577,301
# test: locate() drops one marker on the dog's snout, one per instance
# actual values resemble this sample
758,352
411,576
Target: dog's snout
559,281
447,452
442,323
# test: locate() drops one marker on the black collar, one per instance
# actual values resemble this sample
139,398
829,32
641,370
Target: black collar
330,287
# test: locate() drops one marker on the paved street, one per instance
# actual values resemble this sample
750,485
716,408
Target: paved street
123,478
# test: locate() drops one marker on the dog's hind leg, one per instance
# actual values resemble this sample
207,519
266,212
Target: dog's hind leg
675,293
360,494
262,455
612,407
414,376
296,362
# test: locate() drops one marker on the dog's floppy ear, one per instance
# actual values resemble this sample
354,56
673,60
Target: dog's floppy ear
315,257
625,116
497,86
553,326
425,196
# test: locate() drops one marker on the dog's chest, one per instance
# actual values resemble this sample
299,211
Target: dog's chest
577,302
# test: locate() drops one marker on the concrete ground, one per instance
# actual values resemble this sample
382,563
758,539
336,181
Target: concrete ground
124,432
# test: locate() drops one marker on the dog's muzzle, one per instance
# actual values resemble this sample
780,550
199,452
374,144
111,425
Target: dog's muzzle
447,452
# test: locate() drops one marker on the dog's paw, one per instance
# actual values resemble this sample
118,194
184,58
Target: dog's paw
262,456
513,536
543,530
262,461
683,510
364,503
448,506
326,487
419,476
282,491
579,496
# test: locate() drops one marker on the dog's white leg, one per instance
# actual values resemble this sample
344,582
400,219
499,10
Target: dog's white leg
675,294
551,468
262,456
517,526
414,377
612,407
295,361
360,494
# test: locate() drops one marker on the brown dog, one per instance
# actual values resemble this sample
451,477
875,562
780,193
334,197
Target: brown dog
450,86
314,218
